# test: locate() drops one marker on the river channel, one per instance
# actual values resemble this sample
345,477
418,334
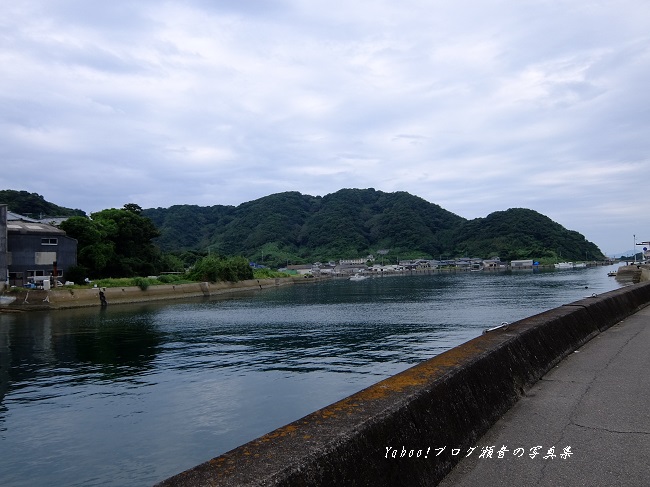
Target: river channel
132,394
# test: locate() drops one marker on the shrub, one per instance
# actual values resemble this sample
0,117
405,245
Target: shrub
268,274
215,269
141,282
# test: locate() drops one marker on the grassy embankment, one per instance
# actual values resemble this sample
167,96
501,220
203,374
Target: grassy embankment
144,282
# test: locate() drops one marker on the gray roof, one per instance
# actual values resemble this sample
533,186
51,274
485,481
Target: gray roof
15,216
31,226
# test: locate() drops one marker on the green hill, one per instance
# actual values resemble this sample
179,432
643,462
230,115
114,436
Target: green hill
519,233
356,222
349,223
34,205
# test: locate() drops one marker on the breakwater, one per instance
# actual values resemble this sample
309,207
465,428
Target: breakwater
633,273
387,433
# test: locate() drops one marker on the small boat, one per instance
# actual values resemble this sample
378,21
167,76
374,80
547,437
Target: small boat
564,265
358,277
611,273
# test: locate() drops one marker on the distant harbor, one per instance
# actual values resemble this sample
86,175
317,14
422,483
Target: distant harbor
347,268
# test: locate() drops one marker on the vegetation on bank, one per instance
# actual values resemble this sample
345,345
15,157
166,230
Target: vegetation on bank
119,242
210,269
206,243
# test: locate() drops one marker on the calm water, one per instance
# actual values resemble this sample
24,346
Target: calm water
130,395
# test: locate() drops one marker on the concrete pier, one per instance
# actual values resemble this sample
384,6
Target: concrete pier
391,433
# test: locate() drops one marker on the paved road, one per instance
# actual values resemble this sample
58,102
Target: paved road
596,401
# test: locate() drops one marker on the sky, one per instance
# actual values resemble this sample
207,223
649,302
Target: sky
476,106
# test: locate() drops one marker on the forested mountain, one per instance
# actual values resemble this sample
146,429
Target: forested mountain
519,233
34,205
296,227
352,223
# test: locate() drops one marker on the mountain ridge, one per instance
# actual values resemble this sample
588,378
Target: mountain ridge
349,223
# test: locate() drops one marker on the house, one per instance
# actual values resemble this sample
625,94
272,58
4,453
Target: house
415,264
36,251
494,264
352,261
302,269
521,264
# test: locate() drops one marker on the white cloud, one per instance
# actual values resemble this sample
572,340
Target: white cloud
475,106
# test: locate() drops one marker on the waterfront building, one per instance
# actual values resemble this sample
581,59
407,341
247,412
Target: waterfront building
521,264
36,251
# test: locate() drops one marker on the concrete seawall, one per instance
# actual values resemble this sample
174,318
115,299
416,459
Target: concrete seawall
75,298
633,273
388,433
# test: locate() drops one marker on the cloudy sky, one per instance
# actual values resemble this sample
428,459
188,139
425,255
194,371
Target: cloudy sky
475,105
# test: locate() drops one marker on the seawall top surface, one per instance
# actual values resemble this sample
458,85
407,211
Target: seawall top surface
595,403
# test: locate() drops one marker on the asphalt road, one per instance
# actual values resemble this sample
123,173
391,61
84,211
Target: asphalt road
596,402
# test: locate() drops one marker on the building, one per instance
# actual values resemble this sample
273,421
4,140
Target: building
302,269
4,273
521,264
493,264
36,251
352,261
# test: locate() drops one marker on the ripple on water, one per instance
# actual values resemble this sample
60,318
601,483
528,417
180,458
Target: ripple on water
132,394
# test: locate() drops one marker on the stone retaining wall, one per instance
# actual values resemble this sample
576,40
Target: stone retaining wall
449,400
74,298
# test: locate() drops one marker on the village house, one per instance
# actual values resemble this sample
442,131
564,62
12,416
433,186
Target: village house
302,269
521,264
35,251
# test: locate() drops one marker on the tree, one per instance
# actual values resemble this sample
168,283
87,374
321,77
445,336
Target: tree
116,243
94,249
131,236
133,208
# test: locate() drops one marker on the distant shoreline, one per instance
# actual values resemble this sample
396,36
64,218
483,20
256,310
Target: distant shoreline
41,300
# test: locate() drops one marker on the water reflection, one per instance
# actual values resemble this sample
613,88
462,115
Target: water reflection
131,394
116,344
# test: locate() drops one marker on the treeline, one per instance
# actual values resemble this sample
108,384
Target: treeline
119,243
520,233
351,223
294,228
33,205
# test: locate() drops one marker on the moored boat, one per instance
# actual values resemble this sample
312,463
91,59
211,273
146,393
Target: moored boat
358,277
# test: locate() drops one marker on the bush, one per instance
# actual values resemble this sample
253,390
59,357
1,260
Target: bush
268,274
141,282
215,269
